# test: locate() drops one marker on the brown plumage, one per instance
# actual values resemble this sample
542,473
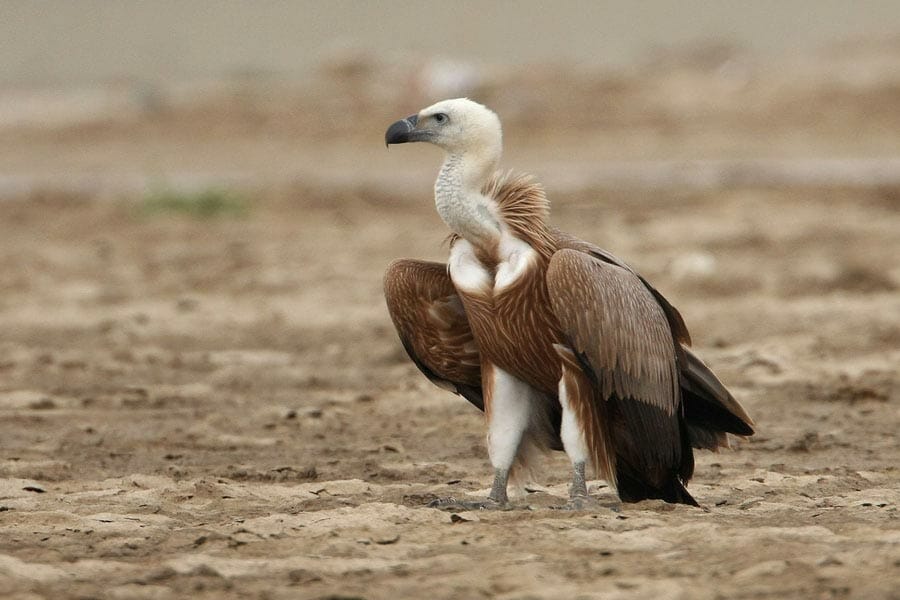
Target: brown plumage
432,324
572,347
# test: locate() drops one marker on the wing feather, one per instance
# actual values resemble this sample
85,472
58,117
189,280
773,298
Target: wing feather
433,327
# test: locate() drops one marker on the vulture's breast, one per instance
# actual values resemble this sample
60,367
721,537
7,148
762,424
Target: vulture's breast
509,310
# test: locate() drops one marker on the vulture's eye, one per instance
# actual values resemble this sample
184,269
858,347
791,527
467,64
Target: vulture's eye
440,118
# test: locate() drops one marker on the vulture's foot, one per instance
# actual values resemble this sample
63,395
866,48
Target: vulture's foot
496,500
454,504
584,502
579,503
579,499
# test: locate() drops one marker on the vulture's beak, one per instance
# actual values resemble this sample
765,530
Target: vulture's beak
403,131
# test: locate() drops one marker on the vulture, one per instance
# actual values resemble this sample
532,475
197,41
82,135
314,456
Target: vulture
560,343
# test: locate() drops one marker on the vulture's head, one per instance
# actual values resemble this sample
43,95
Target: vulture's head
459,125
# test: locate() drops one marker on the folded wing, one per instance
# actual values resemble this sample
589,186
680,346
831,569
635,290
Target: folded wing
433,327
623,339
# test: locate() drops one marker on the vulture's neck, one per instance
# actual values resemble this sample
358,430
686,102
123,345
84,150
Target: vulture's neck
459,201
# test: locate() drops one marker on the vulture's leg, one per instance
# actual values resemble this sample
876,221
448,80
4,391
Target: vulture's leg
579,483
575,446
509,405
581,413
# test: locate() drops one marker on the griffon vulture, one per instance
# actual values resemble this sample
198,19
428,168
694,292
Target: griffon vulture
561,344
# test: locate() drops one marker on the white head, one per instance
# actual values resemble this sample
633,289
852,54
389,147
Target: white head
459,126
471,136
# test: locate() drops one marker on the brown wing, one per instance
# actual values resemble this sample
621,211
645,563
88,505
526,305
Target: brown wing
710,411
622,337
433,327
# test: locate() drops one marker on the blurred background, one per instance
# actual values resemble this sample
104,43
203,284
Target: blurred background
93,41
274,90
196,207
227,108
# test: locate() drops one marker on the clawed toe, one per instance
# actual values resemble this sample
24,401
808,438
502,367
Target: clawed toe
586,503
581,503
454,504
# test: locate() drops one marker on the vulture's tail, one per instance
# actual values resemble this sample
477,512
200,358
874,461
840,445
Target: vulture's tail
633,488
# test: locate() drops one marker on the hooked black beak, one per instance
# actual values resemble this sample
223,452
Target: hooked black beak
401,131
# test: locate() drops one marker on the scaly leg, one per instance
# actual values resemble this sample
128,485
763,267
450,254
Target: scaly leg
579,483
511,401
498,489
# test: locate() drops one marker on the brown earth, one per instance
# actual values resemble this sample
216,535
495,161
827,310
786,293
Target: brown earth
219,408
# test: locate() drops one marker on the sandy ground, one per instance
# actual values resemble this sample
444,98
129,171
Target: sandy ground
219,408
